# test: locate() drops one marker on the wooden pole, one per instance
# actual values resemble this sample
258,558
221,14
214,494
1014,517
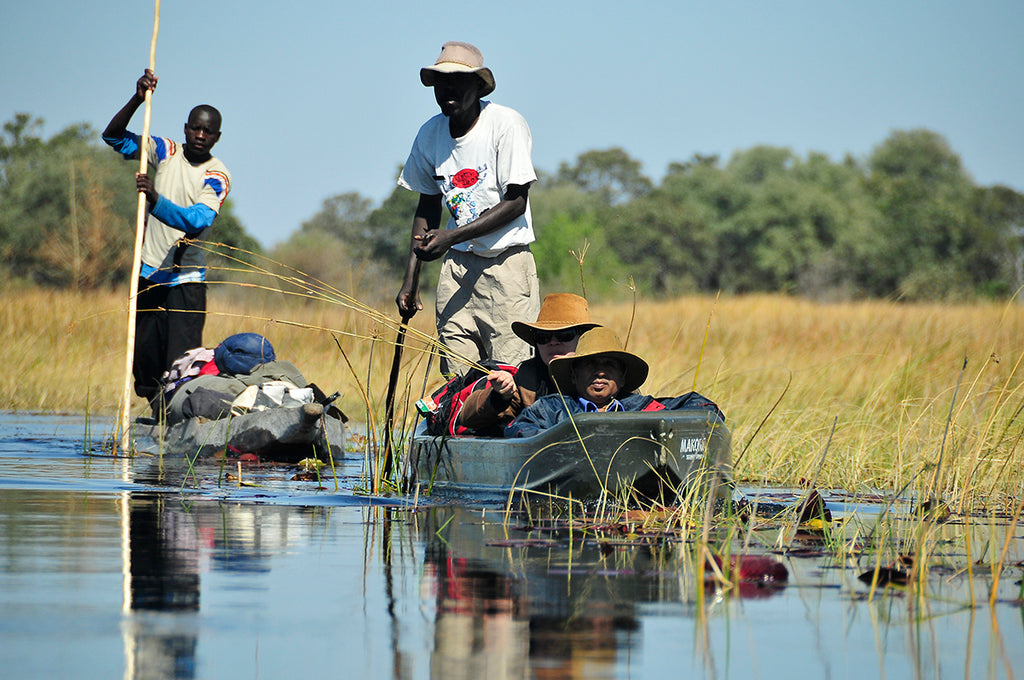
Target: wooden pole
389,401
140,228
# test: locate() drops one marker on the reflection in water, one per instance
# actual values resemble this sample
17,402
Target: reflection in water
540,607
103,575
163,570
164,555
480,630
167,542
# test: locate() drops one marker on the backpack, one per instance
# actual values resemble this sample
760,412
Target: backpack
442,414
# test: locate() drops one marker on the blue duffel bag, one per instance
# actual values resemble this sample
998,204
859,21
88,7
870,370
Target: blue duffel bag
242,352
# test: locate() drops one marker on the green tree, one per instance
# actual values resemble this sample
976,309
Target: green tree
59,211
760,163
846,222
666,236
68,208
353,247
1001,210
935,245
611,175
574,257
665,243
794,229
390,228
344,216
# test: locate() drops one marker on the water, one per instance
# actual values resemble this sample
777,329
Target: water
120,568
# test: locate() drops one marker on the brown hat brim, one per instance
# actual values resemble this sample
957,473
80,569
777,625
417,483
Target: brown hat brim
635,369
429,74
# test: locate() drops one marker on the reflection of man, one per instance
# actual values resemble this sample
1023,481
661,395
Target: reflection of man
517,618
474,157
479,631
164,570
164,556
573,646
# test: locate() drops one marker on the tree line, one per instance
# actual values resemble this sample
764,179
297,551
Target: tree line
907,222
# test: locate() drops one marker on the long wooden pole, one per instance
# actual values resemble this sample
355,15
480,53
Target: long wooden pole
389,401
140,228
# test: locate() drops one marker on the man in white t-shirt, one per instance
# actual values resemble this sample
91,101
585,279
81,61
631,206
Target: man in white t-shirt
474,158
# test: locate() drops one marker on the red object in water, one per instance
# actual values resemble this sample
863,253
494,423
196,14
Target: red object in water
249,458
755,576
759,568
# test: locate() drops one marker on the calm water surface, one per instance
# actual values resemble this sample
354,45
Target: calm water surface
141,568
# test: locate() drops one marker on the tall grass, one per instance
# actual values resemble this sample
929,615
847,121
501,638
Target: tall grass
882,374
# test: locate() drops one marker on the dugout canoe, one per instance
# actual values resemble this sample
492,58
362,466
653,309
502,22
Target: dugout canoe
285,435
657,454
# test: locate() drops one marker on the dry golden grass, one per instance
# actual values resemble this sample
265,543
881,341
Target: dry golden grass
884,374
785,371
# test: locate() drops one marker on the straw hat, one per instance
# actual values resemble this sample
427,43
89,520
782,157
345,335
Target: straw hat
459,57
558,312
600,342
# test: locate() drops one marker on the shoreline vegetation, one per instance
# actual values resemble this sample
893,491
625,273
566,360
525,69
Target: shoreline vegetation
863,396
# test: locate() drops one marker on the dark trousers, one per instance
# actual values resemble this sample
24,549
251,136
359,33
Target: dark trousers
168,322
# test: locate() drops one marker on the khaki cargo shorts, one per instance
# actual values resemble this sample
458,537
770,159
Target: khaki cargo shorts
478,298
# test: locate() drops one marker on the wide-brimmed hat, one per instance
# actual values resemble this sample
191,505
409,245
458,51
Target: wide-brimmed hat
559,311
459,57
600,342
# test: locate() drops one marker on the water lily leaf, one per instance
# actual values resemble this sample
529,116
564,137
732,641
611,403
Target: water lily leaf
813,509
523,543
886,576
815,525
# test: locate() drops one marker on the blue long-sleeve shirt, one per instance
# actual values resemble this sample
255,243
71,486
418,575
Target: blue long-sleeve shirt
190,195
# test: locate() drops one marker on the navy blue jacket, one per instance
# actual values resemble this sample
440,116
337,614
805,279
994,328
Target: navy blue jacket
551,410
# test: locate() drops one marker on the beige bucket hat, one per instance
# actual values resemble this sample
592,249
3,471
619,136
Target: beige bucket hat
459,57
558,311
600,342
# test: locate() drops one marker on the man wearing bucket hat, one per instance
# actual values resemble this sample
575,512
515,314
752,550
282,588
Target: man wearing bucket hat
500,397
599,377
474,158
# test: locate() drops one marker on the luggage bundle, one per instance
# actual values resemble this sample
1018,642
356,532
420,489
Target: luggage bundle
240,375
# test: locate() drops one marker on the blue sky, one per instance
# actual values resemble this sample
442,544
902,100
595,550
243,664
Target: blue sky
322,97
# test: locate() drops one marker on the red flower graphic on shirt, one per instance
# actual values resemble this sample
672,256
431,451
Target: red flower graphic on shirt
465,178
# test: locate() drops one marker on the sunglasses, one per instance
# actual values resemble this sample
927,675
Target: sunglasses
544,337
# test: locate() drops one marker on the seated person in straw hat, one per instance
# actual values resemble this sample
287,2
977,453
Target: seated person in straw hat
599,377
500,397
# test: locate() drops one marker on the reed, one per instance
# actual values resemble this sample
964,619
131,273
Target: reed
785,371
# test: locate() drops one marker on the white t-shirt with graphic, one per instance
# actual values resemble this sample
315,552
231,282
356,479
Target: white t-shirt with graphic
184,184
473,172
191,196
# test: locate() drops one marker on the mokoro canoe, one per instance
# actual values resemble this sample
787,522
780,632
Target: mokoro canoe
655,454
283,434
